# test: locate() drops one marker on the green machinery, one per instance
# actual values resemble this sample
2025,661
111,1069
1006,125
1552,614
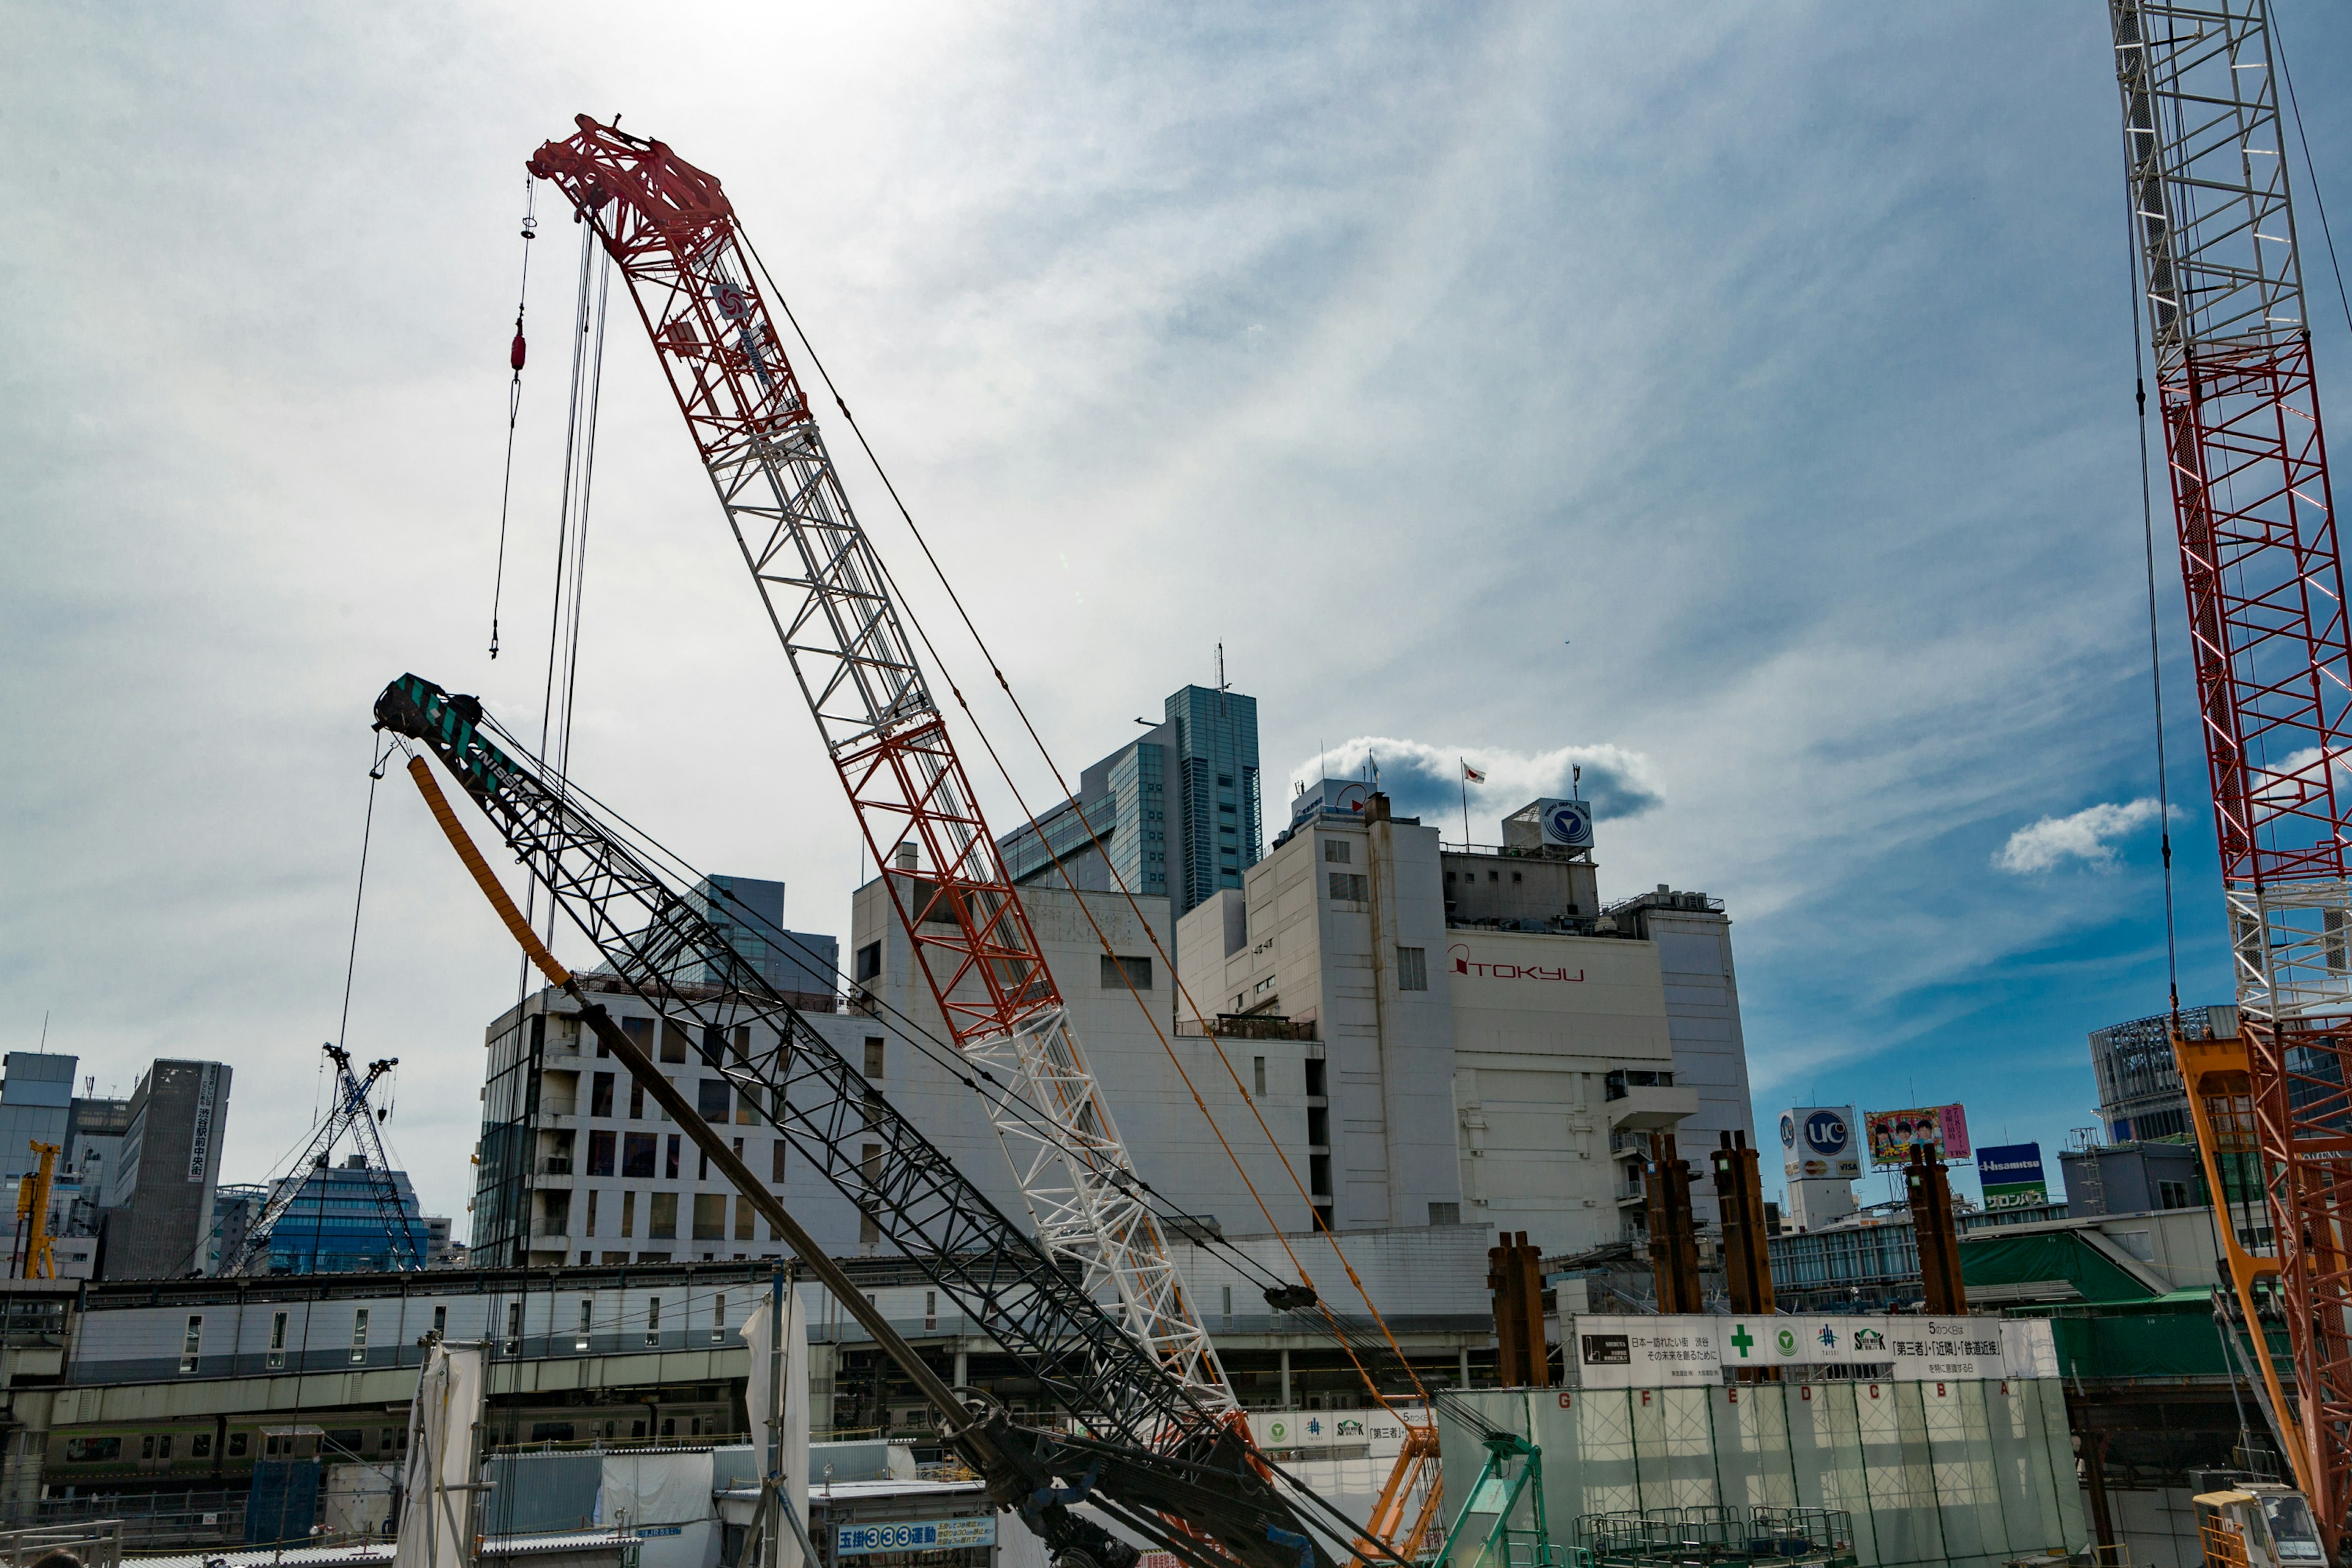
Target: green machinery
1514,1468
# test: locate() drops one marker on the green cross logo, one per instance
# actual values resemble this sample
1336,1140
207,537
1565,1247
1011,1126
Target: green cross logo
1788,1341
1742,1338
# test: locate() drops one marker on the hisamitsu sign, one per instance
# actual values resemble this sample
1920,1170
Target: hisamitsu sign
917,1535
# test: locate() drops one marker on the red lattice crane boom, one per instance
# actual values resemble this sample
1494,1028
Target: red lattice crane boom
2261,564
691,275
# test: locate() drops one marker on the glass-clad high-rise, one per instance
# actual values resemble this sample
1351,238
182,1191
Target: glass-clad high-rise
1175,811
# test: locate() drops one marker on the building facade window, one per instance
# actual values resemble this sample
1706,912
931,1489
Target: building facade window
628,1213
1336,852
1121,972
776,1160
192,1342
875,1063
601,1145
869,961
1412,968
1257,1072
669,1158
599,1095
638,1151
1350,887
711,1099
359,1336
673,1042
709,1217
661,1215
653,1320
278,1341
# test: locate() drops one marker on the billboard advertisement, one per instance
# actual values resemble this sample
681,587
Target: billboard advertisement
2012,1174
1817,1141
1893,1134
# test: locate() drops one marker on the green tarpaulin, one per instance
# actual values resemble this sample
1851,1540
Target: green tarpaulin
2050,1255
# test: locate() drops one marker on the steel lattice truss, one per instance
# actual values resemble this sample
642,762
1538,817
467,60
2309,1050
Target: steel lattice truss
674,236
2264,582
650,934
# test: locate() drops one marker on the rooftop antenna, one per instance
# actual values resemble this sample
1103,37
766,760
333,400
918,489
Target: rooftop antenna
44,1047
1576,779
1223,685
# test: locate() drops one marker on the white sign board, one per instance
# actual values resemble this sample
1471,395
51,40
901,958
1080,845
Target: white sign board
1380,1432
1667,1351
1660,1351
927,1535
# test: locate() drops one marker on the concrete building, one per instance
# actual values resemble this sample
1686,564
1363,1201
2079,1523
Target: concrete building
159,1197
1177,811
1493,1044
2135,1177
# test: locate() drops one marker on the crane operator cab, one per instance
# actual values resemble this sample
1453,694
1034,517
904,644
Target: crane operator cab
2257,1526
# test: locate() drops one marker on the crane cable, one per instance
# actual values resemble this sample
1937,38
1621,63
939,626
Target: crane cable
514,399
571,536
1004,772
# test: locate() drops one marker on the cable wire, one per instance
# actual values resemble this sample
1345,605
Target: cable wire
2154,651
514,400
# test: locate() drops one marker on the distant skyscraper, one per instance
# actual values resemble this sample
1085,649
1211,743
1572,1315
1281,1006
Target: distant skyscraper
750,913
1176,810
1216,759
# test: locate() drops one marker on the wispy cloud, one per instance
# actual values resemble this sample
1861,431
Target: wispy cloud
2084,835
1421,777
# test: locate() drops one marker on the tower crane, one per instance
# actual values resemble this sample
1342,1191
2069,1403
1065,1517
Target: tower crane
2261,564
674,235
1149,1450
352,1113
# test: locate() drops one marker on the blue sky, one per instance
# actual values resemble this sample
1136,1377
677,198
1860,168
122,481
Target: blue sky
1738,396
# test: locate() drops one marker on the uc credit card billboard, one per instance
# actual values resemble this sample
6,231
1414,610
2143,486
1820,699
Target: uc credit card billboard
2013,1176
1943,1130
1819,1140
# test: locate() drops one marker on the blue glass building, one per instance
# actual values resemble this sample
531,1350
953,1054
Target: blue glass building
1176,811
337,1224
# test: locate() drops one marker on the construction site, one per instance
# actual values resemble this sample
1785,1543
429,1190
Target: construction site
1150,1174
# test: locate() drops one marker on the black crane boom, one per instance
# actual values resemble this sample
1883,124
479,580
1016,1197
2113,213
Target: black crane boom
1147,1453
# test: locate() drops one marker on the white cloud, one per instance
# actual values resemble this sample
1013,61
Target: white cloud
2084,835
1423,778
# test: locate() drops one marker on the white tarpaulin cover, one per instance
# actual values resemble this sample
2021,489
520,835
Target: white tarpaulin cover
433,1517
1670,1350
793,1462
